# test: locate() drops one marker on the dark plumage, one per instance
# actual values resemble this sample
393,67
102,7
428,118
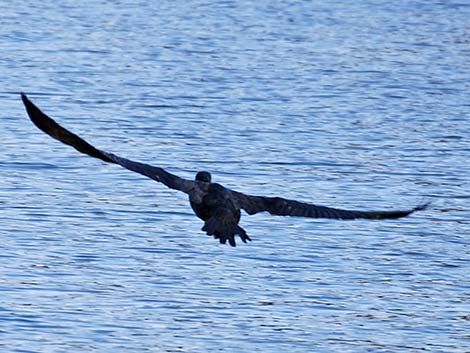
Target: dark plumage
216,205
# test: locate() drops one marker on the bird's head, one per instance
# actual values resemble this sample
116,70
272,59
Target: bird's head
203,176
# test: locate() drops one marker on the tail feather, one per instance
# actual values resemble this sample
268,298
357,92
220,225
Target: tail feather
224,231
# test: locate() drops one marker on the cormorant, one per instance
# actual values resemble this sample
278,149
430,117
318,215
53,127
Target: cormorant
216,205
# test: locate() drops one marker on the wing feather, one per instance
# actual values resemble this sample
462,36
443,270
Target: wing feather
279,206
53,129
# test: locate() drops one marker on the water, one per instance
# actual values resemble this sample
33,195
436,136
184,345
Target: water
350,104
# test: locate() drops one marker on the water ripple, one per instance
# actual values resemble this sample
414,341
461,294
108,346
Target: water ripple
348,104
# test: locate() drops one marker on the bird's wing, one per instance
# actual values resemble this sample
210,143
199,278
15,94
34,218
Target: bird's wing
50,127
283,207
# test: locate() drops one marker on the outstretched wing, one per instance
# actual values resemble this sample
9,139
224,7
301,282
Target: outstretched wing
50,127
283,207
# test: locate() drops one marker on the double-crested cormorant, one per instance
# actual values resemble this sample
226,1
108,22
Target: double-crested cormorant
216,205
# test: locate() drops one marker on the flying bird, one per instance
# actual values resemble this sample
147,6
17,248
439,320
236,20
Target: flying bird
218,206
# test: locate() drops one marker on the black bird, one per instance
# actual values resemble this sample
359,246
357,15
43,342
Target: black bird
216,205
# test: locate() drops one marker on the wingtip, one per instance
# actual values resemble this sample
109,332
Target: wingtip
27,103
29,106
423,206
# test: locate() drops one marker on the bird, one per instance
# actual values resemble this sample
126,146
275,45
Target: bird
217,206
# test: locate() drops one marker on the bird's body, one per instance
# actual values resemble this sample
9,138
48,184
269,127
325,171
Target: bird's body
217,199
220,214
216,205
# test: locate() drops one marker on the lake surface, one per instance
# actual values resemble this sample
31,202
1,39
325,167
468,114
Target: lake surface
348,104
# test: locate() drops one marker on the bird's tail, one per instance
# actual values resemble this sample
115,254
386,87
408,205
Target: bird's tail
224,230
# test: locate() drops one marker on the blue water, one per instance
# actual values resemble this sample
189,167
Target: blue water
350,104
